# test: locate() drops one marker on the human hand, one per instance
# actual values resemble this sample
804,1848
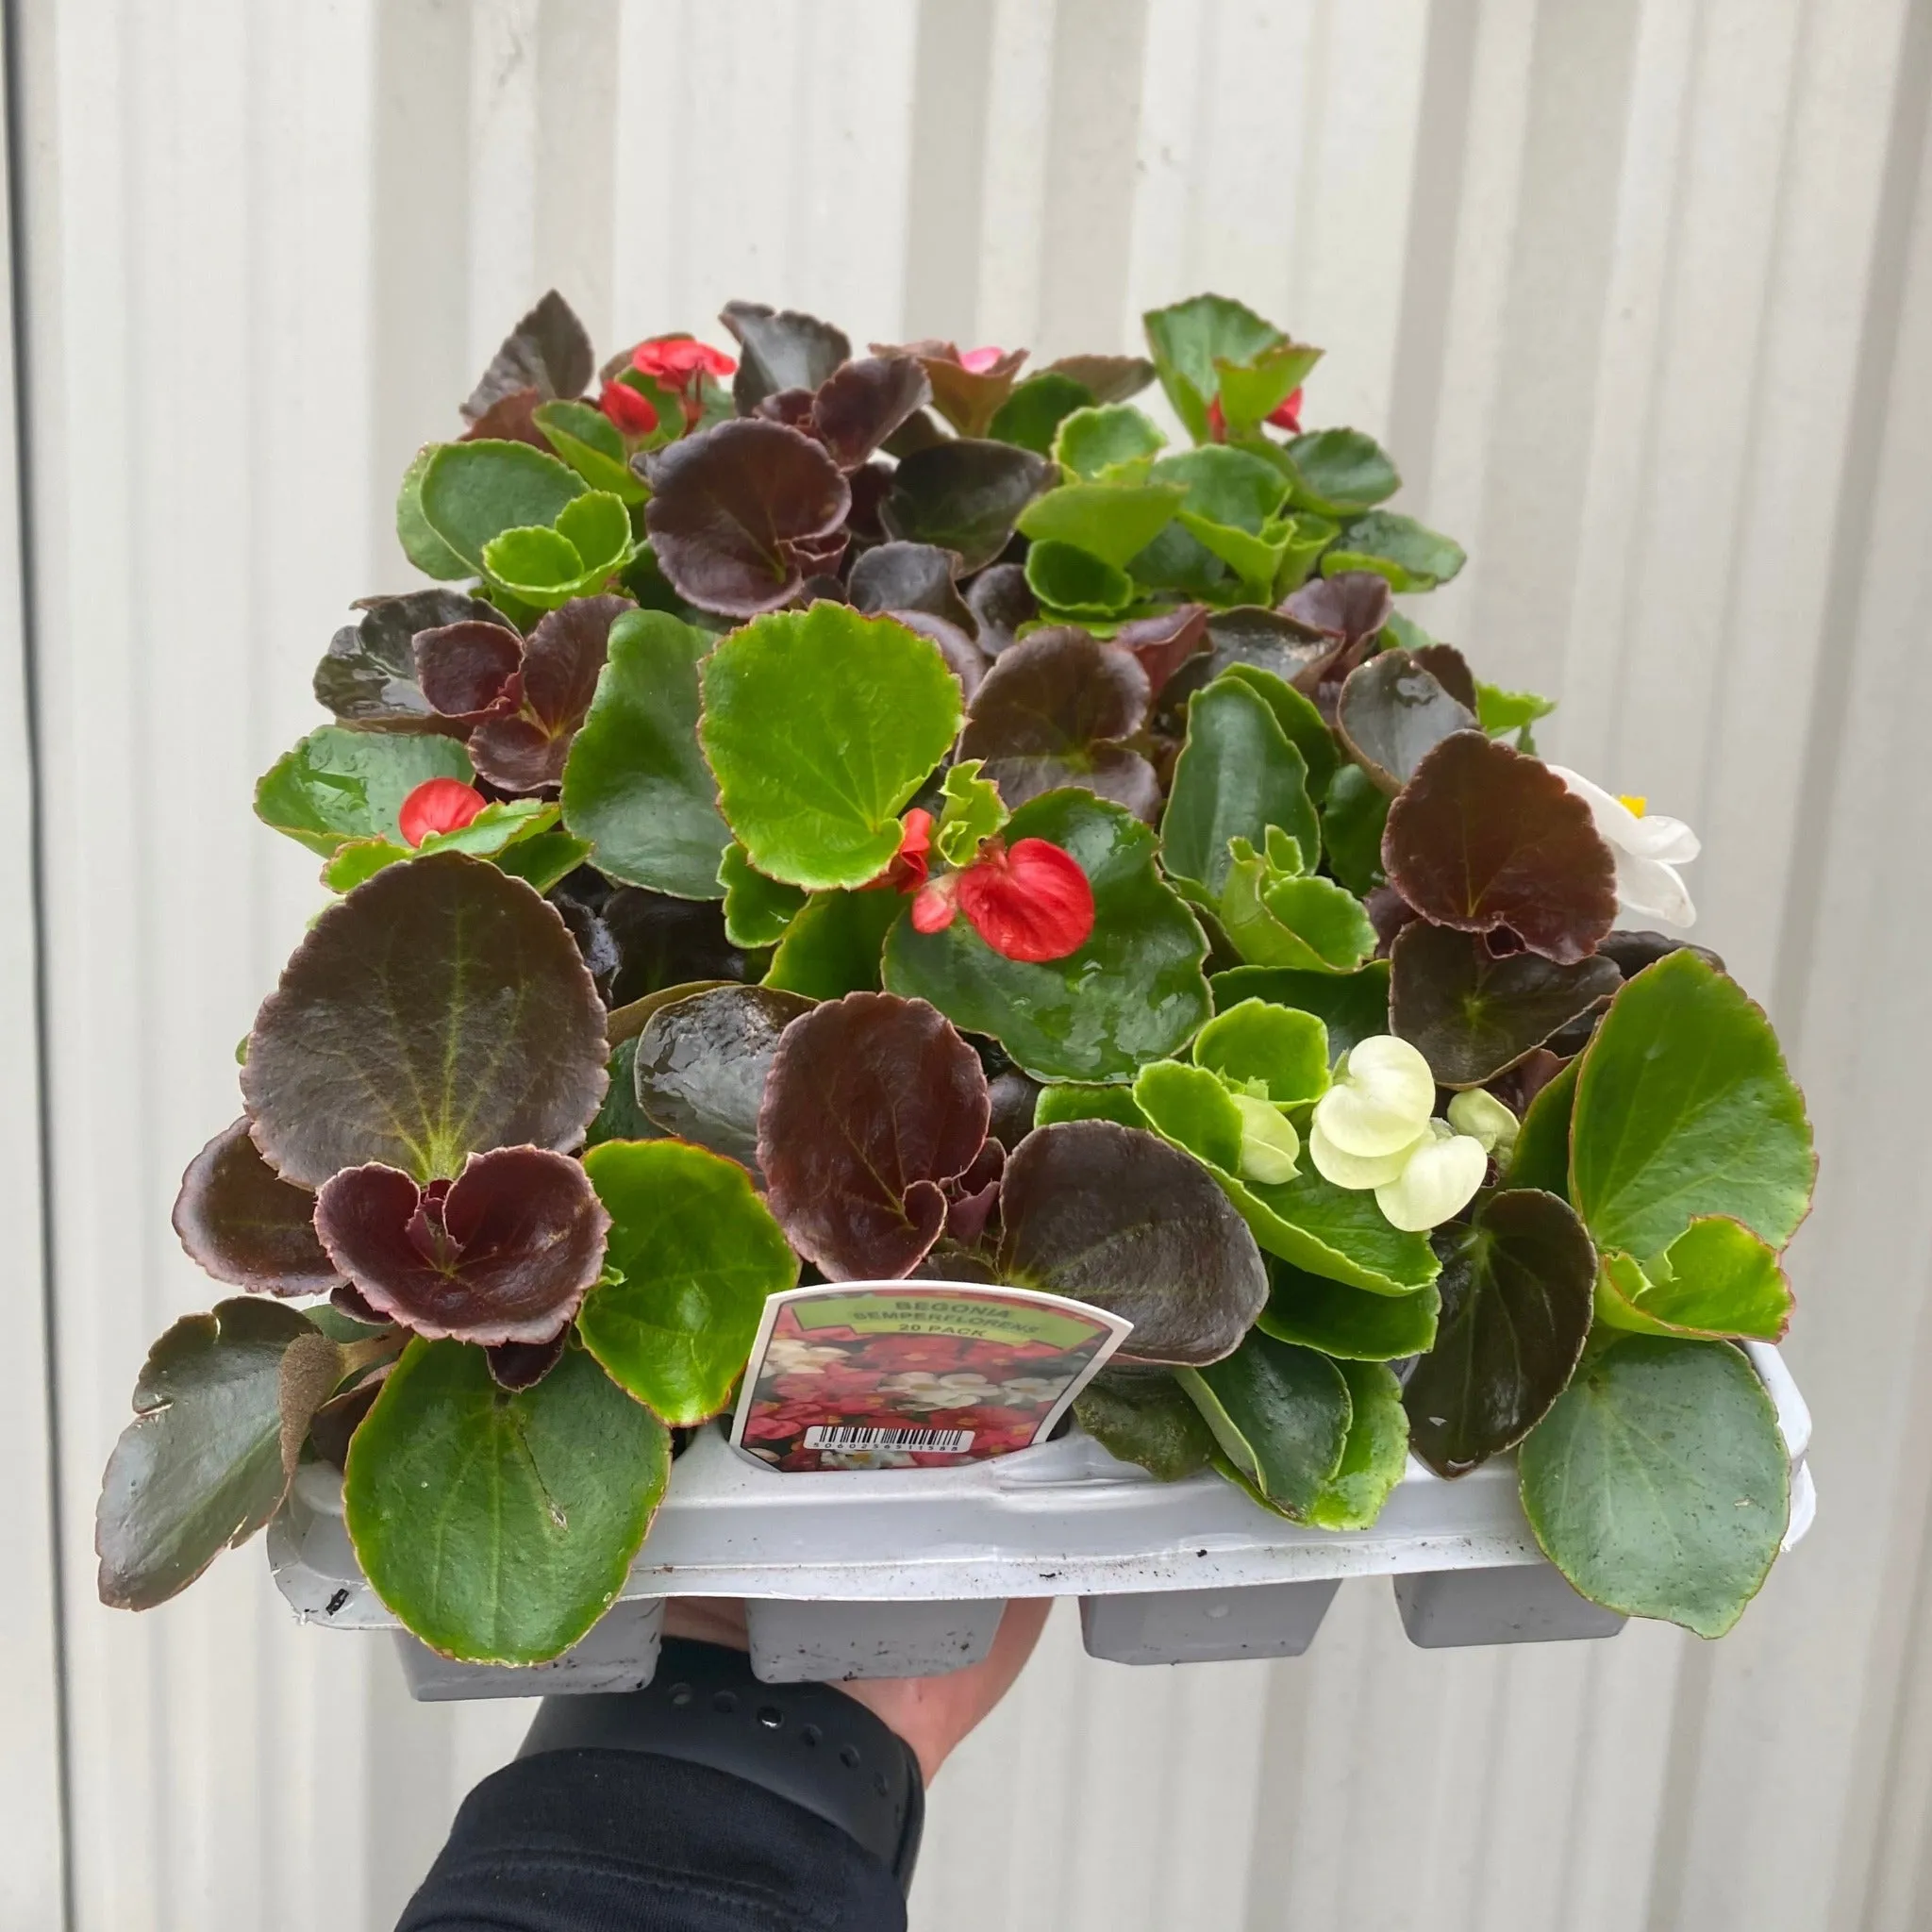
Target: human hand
932,1714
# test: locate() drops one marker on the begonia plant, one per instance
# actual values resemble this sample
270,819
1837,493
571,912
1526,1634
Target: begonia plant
849,815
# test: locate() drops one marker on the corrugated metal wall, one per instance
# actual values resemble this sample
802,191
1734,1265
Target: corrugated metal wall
1639,292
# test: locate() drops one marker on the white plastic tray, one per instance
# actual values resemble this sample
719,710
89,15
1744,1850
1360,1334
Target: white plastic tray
901,1572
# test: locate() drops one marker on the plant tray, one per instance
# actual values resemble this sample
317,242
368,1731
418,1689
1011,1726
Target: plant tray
901,1572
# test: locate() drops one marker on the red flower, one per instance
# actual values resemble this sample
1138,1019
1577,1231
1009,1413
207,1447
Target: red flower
1217,420
1288,415
436,805
977,362
631,411
673,360
909,868
1031,903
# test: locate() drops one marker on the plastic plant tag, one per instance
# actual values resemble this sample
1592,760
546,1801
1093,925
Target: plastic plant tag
906,1375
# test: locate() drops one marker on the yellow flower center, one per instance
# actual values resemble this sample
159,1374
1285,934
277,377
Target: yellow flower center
1633,802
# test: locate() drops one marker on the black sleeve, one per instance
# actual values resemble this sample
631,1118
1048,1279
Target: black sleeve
616,1841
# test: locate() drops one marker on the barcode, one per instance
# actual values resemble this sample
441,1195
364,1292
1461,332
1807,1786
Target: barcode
940,1442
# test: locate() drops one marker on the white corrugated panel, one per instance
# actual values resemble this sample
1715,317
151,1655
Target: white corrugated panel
1641,293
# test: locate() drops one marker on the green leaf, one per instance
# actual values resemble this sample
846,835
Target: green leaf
501,824
1237,775
621,1118
1255,560
421,544
1658,1484
1271,1051
1076,1100
473,491
1276,919
1070,583
1345,1321
221,1408
1034,410
1353,1006
1134,992
694,1252
1351,821
542,567
1093,442
1542,1156
1251,391
1716,1280
1501,712
1231,487
598,528
636,784
1191,339
1326,1230
441,1009
1110,521
1685,1108
1376,1454
834,943
1516,1306
1409,554
498,1526
1301,724
1340,473
972,813
758,911
592,445
1146,1418
1281,1414
336,785
544,859
821,726
1303,537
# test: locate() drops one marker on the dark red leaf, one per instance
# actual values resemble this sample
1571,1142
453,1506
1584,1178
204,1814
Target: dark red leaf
1053,712
547,351
964,658
440,1008
860,404
436,805
1474,1016
967,393
1392,713
1001,601
469,669
874,1103
702,1061
1352,604
1450,669
523,1364
965,496
1111,378
369,676
791,407
783,349
512,419
245,1225
501,1254
730,507
1031,903
898,577
1162,644
1118,1218
525,751
1487,840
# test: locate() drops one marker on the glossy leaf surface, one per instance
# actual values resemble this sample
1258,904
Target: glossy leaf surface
965,496
1392,713
1352,1005
336,785
471,493
369,676
870,1105
636,784
694,1253
1133,993
1345,1321
1280,1414
1146,1418
1375,1455
1658,1483
1114,1217
1685,1108
1484,838
498,1526
244,1224
1516,1286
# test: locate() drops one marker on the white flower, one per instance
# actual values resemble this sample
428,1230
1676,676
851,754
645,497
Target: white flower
1484,1118
1648,850
921,1389
1269,1145
786,1354
1373,1129
1029,1389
